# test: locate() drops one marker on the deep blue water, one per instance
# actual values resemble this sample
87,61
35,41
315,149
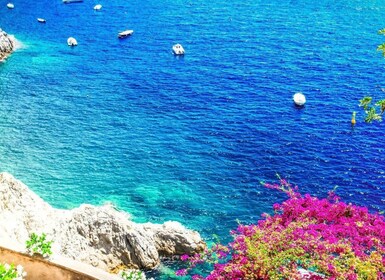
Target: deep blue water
190,138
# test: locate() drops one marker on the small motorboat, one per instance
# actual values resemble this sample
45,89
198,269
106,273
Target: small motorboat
178,49
41,20
71,41
72,1
10,6
299,99
97,7
125,33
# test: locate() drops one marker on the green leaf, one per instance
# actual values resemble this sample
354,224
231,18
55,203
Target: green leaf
39,244
381,103
372,116
365,102
381,48
381,31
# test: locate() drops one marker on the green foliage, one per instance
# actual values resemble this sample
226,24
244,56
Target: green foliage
381,31
381,103
381,48
132,274
7,272
371,115
10,272
306,238
365,102
39,245
371,111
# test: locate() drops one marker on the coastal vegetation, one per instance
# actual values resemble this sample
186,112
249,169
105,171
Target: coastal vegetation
132,274
38,244
10,272
306,238
366,102
371,109
381,47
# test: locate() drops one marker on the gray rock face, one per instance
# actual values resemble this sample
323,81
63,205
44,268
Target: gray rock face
6,45
100,236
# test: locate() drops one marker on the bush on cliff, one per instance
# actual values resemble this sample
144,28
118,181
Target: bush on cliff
38,244
306,238
10,272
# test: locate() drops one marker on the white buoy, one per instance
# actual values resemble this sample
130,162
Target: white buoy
97,7
178,49
299,99
10,6
71,41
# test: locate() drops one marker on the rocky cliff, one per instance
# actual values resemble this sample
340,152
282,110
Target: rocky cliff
7,44
100,236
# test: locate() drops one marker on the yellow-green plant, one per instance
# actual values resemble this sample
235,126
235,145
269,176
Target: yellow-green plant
381,48
132,274
38,244
10,272
371,110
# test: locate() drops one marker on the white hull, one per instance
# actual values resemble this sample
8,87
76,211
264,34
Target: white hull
299,99
71,41
125,33
178,49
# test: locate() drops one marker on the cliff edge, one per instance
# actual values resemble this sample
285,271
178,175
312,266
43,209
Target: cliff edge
100,236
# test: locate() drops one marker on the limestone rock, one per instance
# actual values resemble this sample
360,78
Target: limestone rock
6,44
171,238
101,236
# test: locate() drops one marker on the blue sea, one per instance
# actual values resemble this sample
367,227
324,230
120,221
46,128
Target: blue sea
190,138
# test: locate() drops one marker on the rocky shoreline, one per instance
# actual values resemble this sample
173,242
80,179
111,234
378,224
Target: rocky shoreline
7,45
100,236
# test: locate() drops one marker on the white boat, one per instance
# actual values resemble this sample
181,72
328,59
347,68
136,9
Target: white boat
299,99
10,6
72,1
125,33
178,49
42,20
71,41
97,7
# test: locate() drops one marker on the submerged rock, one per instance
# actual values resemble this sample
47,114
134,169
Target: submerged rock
6,45
101,236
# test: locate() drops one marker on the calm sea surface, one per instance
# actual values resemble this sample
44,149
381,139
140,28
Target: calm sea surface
190,138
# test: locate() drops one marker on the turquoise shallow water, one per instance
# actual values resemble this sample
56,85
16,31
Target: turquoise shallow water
190,138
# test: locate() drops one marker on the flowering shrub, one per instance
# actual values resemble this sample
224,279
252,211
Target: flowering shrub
39,245
306,238
10,272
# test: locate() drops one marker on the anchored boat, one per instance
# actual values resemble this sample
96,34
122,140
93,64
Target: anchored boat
71,41
299,99
178,49
125,33
72,1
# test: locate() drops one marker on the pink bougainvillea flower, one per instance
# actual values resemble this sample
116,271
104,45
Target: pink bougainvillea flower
306,238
